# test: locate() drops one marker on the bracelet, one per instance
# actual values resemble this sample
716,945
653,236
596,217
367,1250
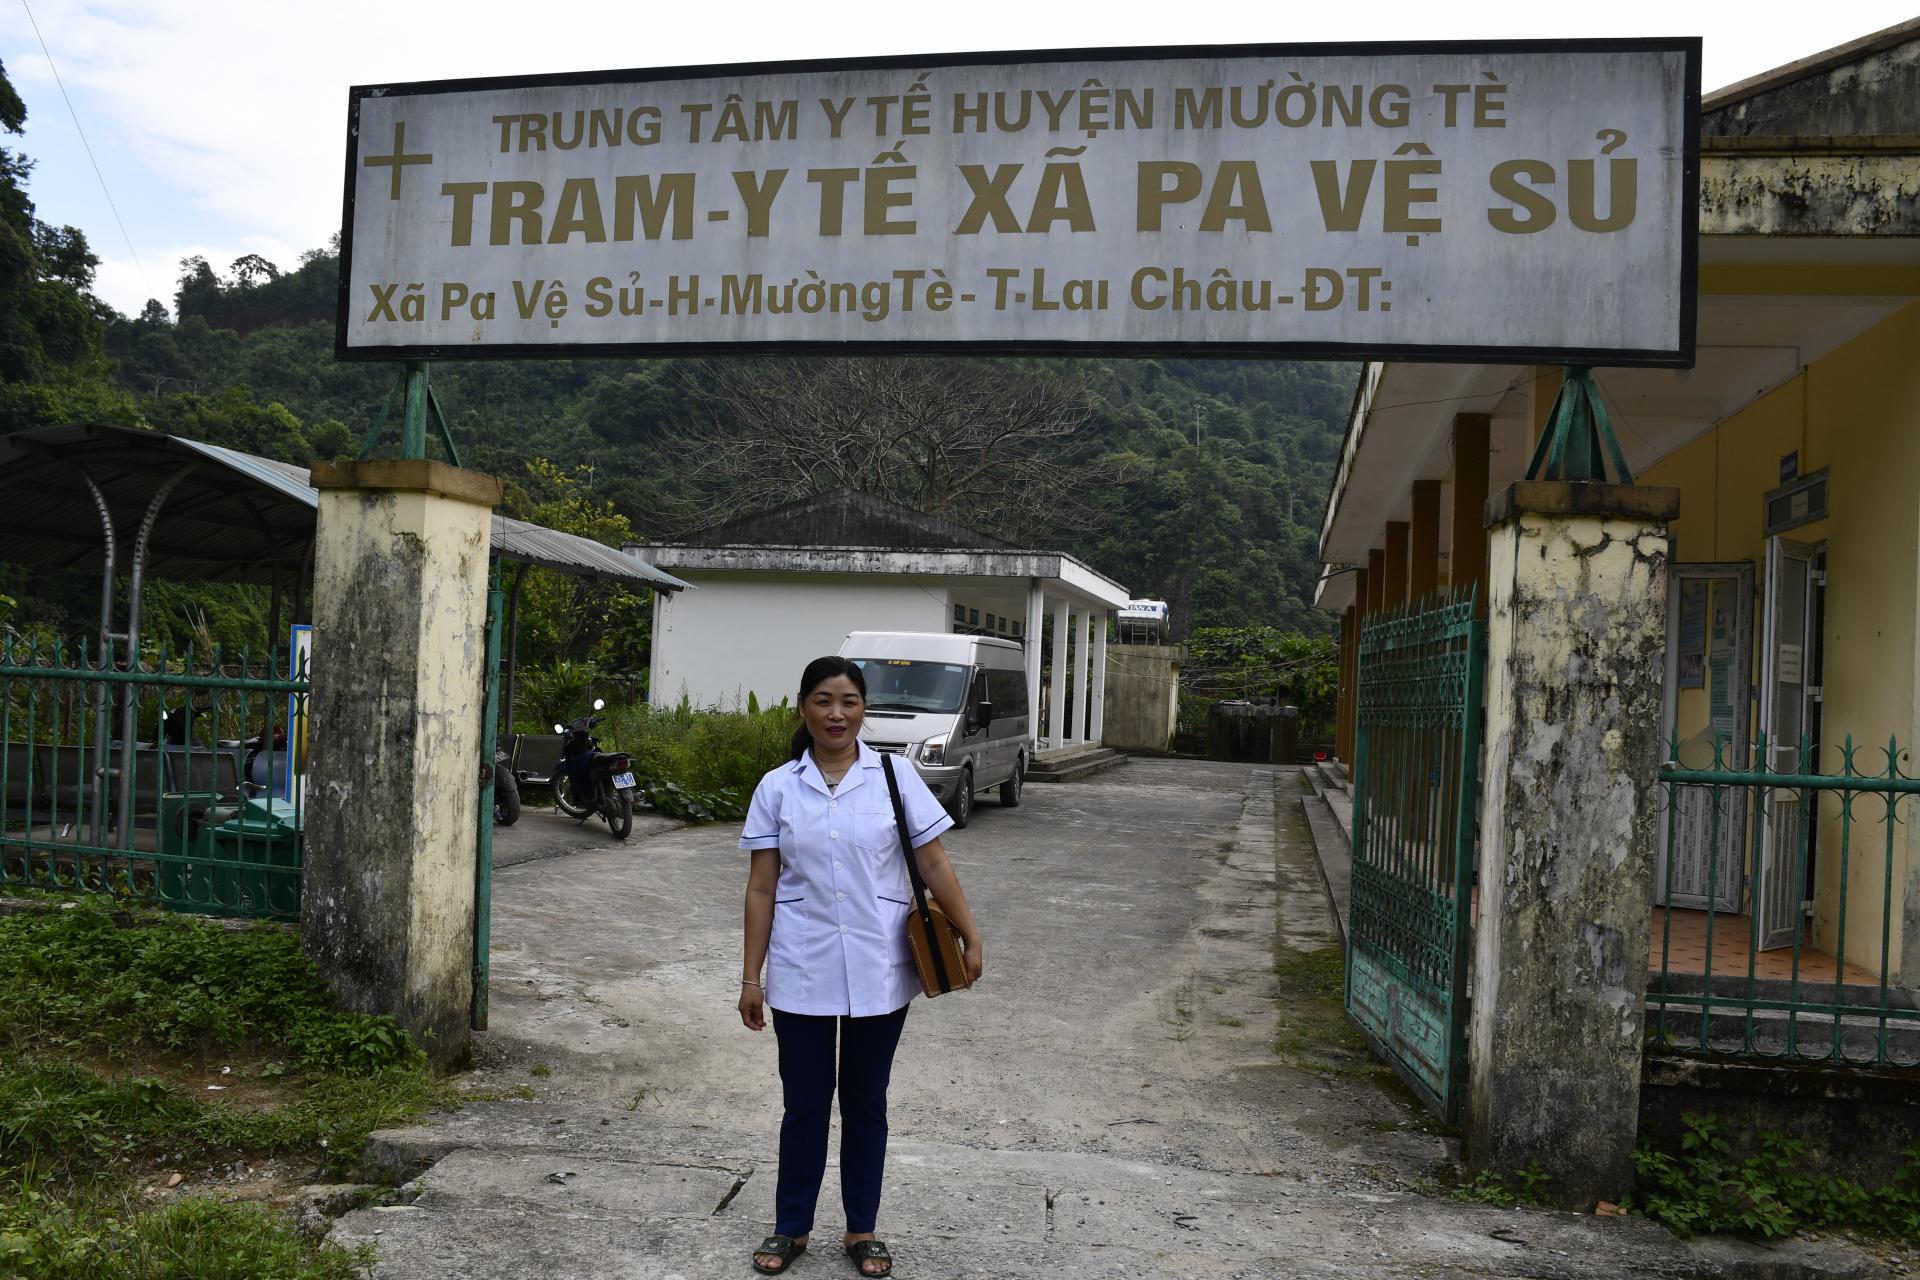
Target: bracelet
749,982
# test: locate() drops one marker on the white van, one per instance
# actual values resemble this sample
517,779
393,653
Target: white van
956,706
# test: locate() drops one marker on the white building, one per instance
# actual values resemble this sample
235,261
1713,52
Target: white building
778,589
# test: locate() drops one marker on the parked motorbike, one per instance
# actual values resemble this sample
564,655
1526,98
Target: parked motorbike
589,781
506,791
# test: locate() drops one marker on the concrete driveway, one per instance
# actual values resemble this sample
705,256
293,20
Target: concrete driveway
1133,1090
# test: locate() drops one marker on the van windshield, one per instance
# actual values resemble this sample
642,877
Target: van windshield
899,684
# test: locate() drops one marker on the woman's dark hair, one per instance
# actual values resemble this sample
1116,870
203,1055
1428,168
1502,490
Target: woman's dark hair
818,672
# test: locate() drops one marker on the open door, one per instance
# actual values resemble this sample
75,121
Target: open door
1709,643
1787,691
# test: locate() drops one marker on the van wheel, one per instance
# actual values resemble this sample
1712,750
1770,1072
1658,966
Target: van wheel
1010,789
962,807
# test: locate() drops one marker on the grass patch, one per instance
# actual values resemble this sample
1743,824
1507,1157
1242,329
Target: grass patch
89,977
110,1023
1313,1031
46,1238
1526,1187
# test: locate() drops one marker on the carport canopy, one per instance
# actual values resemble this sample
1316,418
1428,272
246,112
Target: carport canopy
231,516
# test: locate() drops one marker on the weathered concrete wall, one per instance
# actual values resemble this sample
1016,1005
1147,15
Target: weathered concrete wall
1854,1124
399,610
1875,92
1143,696
1809,195
1576,630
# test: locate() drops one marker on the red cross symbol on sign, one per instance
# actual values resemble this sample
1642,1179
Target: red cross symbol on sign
395,163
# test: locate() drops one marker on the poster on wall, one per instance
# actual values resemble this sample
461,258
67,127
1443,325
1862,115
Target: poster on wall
1720,695
1693,634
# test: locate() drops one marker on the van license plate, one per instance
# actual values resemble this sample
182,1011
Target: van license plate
622,779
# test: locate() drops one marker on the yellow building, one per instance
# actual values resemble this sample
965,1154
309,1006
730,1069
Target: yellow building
1795,569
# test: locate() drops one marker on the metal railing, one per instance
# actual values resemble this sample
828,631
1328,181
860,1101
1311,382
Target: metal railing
1778,929
171,781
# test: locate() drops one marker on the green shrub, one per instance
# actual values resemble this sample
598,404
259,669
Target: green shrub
701,764
1703,1188
83,976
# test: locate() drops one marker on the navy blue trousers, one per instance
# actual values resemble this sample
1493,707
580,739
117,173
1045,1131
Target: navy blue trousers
807,1080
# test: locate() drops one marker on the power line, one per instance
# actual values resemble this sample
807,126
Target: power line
89,148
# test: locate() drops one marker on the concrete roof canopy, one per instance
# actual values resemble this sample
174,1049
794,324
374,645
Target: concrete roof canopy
845,531
1809,236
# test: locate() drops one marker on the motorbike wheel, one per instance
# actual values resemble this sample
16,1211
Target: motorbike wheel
620,815
563,797
506,800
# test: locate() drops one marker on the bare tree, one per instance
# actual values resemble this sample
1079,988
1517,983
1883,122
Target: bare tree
986,445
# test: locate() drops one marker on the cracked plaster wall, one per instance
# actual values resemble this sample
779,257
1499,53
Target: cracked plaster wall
1576,633
400,581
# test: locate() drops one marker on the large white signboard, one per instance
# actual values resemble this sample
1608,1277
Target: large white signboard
1523,201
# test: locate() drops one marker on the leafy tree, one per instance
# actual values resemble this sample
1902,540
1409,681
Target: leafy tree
591,627
51,366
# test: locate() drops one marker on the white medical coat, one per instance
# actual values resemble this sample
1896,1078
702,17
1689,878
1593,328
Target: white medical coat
839,941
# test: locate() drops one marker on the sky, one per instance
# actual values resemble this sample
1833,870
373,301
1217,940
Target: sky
220,125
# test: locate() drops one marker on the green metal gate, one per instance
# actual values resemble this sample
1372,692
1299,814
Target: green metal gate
175,781
1416,775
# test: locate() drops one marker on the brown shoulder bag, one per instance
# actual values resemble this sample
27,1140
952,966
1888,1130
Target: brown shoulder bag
935,946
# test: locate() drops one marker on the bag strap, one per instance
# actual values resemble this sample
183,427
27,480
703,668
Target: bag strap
913,873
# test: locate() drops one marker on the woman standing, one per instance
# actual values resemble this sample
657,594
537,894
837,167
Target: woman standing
827,902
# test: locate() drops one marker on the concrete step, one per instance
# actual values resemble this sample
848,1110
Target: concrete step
1330,847
1330,775
1073,763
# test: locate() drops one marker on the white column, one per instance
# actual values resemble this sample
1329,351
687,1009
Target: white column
1036,615
1057,716
1099,677
1082,669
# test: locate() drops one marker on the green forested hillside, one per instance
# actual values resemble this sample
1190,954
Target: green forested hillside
1206,478
1199,482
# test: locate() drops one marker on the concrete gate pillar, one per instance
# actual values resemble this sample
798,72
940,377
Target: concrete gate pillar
399,668
1576,630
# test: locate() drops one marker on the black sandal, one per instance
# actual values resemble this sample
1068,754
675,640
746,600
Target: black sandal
781,1247
862,1251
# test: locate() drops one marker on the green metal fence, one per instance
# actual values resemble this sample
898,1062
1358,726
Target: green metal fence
1416,773
1787,946
170,781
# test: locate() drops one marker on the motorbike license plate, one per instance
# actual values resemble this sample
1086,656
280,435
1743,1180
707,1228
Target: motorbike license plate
622,779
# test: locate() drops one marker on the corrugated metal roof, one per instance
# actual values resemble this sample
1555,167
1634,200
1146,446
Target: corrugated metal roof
571,553
229,522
